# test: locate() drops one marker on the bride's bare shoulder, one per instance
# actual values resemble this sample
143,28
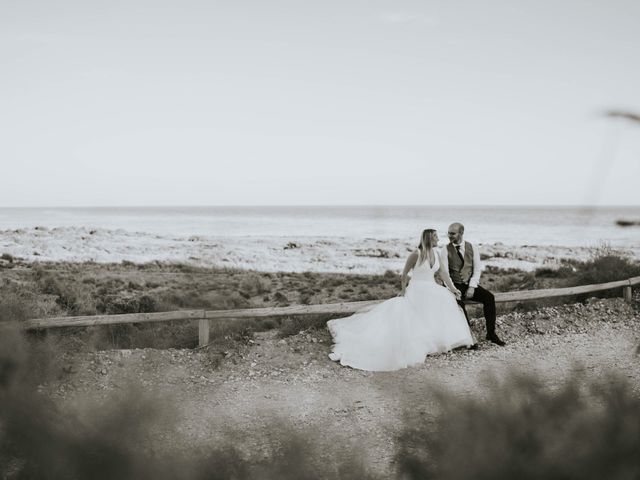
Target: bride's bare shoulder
413,257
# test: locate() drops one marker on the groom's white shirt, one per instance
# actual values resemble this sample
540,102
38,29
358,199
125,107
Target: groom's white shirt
477,266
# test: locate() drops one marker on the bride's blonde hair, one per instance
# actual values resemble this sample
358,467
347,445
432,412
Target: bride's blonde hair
426,244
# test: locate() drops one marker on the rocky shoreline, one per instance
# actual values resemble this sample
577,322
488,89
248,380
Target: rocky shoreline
268,254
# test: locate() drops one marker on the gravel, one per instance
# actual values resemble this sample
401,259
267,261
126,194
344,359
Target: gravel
246,387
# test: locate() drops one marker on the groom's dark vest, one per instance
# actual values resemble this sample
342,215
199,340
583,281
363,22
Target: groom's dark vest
459,272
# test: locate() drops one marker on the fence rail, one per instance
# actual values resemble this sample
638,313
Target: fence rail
204,317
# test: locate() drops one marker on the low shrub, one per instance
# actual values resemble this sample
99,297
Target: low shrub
15,305
280,299
391,275
305,298
253,284
118,304
563,271
520,429
604,269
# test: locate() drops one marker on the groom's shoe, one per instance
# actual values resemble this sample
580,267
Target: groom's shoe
495,339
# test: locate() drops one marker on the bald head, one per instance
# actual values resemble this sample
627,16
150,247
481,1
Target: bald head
455,232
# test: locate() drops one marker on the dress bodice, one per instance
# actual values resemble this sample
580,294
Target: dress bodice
424,271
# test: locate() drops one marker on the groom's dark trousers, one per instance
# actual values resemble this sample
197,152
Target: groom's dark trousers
486,298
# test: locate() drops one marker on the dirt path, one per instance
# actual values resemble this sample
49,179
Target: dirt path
292,380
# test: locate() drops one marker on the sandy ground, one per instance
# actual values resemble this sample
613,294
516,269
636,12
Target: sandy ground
241,392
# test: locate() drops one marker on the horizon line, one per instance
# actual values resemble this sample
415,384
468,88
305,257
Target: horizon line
318,205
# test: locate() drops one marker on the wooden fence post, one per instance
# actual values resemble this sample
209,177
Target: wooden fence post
627,293
203,332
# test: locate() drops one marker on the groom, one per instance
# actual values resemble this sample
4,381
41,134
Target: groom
462,260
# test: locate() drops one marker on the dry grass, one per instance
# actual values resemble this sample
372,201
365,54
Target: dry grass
59,289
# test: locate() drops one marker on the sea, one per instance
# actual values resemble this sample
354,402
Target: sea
510,225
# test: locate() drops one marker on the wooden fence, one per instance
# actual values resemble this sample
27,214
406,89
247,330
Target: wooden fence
204,317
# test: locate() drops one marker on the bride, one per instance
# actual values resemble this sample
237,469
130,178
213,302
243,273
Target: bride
424,319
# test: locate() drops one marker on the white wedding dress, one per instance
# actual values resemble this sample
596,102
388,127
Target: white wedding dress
402,331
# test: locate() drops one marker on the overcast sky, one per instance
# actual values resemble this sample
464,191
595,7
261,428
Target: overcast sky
209,102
